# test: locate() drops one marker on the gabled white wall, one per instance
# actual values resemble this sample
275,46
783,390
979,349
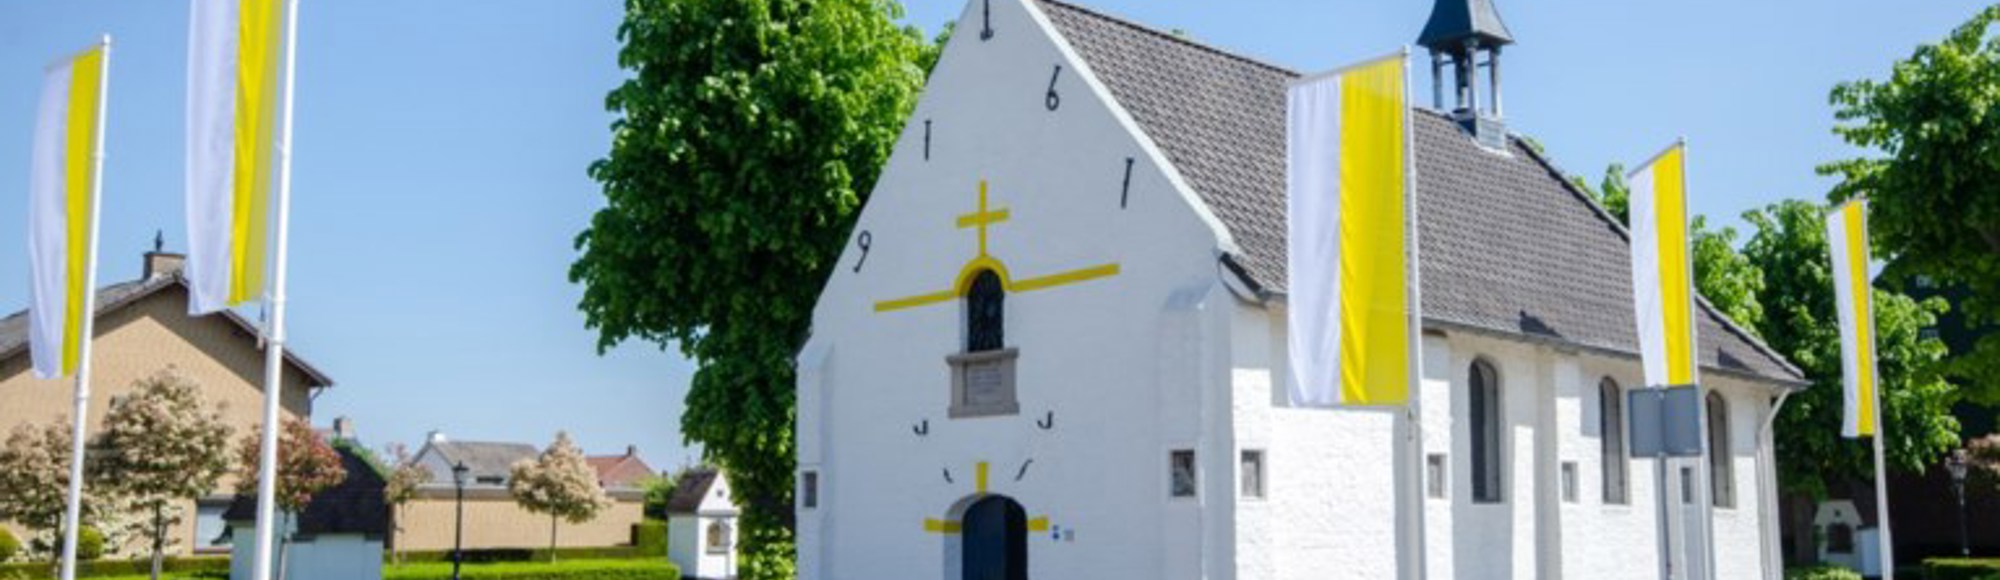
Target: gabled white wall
1130,365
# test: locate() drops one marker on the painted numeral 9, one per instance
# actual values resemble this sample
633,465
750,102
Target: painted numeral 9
863,241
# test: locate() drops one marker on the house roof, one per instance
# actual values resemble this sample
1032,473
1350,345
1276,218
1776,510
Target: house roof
693,486
1453,21
481,458
354,506
621,471
1508,245
110,299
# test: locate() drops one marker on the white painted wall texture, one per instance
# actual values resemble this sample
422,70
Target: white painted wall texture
1162,356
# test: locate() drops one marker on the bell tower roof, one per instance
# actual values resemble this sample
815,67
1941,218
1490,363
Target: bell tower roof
1454,21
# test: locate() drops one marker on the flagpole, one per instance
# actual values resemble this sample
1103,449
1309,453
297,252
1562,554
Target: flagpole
73,512
274,350
1413,436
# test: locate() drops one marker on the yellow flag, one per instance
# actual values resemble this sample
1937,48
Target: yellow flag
1662,270
233,114
1847,238
62,195
1350,298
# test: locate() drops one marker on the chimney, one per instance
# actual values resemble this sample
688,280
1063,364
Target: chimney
159,262
631,451
435,436
343,428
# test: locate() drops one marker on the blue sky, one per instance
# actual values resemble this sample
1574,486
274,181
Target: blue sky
441,148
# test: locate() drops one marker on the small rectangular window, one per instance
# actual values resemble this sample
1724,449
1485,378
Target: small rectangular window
1180,473
809,489
1434,475
1253,473
1687,485
1569,484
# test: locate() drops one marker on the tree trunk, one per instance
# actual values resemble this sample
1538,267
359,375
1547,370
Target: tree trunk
552,538
159,539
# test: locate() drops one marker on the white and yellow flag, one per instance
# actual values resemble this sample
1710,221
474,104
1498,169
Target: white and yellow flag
62,191
1847,236
1662,270
234,58
1351,304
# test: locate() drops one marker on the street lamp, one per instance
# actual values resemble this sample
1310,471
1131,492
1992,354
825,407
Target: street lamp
1956,464
458,472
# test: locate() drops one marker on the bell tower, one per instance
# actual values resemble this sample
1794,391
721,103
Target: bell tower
1467,35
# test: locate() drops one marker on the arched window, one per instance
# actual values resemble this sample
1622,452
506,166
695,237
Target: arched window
1611,437
718,537
985,313
1483,409
1721,470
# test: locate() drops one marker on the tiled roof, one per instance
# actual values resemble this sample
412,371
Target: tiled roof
354,506
623,471
482,459
693,486
1507,245
14,328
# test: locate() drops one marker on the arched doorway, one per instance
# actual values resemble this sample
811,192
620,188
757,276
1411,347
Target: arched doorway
995,536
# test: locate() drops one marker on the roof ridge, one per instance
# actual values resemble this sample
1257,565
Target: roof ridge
1603,213
1191,43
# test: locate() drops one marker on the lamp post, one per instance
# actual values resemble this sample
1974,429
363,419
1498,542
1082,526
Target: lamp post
458,473
1956,464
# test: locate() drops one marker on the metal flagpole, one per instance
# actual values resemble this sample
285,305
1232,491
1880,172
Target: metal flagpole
73,513
1413,435
274,351
1882,489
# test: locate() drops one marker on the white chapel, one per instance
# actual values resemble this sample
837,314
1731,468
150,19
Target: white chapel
1055,345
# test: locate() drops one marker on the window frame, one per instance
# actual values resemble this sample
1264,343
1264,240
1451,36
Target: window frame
1485,426
1251,474
1174,462
1614,454
1721,464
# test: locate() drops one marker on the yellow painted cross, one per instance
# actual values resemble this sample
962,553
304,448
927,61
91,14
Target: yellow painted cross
980,471
982,218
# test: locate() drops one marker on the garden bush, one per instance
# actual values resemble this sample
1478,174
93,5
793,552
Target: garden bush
89,543
489,555
1822,573
647,569
176,567
1962,569
9,546
650,537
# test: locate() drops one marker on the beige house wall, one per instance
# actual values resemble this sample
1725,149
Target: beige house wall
138,340
493,520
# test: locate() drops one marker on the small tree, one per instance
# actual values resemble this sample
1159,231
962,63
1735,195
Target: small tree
400,488
558,483
34,483
161,444
307,465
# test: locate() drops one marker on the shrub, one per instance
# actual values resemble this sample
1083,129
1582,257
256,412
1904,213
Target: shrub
1962,569
650,537
89,543
494,555
648,569
1822,573
9,546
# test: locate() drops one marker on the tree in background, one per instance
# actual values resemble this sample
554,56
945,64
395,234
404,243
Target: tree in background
400,488
1934,193
161,444
749,135
1721,273
34,483
1984,455
560,483
307,465
659,490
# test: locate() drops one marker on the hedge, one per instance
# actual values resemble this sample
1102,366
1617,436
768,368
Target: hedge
489,555
1822,573
1962,569
650,537
38,570
565,570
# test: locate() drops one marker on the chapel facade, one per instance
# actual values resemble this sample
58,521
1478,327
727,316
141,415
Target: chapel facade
1056,344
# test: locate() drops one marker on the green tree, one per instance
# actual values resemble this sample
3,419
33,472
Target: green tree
34,483
1721,273
307,465
399,489
748,136
560,483
1800,323
1934,189
161,444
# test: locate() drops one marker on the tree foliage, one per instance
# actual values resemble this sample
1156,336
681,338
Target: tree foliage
34,480
161,444
748,136
400,487
1721,273
307,465
558,482
1934,191
1800,323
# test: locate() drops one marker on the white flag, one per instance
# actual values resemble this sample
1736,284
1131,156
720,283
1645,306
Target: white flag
61,201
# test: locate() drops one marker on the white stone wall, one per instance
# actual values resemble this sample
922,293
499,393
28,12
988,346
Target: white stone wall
688,547
1128,366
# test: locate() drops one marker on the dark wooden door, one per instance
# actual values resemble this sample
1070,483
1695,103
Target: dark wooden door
996,540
